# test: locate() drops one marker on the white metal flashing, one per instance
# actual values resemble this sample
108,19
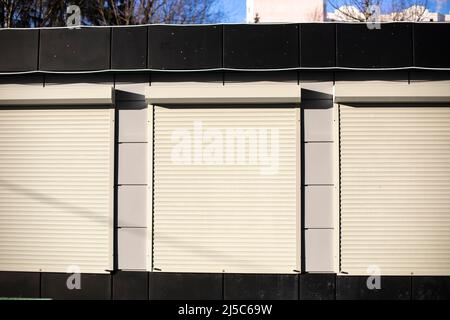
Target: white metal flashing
55,95
262,94
367,92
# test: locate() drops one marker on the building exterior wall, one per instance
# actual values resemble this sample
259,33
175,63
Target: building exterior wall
319,210
319,276
266,11
413,13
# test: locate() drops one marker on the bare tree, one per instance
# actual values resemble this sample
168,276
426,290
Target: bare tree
397,10
316,15
355,10
8,9
408,10
31,13
40,13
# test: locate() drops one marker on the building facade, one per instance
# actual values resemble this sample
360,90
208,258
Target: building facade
289,11
413,14
287,161
269,11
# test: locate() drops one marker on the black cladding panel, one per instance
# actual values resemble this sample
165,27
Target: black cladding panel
75,49
317,286
130,285
244,47
356,288
261,46
129,48
19,284
185,286
317,45
19,50
93,287
359,46
431,288
432,45
260,286
184,47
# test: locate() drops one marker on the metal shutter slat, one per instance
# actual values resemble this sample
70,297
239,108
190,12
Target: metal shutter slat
395,190
226,218
56,189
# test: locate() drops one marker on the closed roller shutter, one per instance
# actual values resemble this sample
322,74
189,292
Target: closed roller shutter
56,189
226,217
395,190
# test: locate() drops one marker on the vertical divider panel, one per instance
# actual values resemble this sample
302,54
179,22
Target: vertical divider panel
299,190
112,209
150,128
336,189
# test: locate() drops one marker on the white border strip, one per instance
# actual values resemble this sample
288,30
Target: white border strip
420,92
220,69
55,95
262,94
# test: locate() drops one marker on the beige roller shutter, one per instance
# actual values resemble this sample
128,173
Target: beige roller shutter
56,186
395,190
216,214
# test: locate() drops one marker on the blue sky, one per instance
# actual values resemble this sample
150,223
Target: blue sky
445,7
235,9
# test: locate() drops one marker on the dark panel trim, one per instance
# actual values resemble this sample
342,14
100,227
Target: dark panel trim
93,287
430,288
20,284
396,46
261,46
317,45
317,286
19,50
432,45
132,285
129,285
387,47
38,50
260,286
185,286
129,48
83,49
356,288
189,48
